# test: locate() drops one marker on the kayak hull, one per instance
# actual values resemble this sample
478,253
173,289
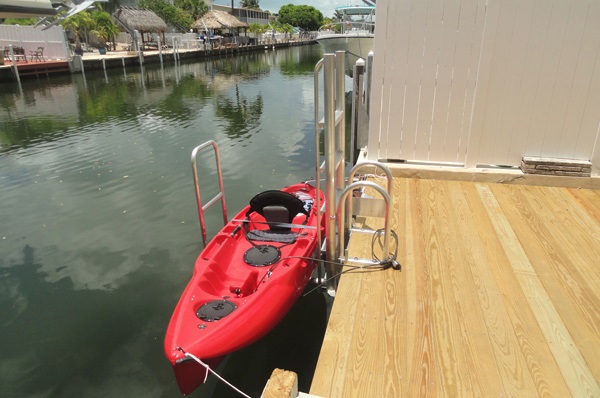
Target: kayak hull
241,288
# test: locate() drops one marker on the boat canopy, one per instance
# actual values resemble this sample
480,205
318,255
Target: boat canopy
356,10
25,8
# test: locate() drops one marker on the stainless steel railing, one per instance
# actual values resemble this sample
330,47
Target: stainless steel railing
219,196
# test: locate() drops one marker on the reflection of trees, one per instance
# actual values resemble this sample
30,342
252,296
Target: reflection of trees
122,100
154,90
241,115
98,102
293,64
247,65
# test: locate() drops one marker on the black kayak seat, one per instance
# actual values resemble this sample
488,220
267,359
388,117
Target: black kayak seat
274,200
276,207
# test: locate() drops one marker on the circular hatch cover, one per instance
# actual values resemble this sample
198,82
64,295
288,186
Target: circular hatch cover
215,310
262,255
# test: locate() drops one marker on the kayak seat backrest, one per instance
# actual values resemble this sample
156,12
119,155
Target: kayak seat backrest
276,202
276,214
276,207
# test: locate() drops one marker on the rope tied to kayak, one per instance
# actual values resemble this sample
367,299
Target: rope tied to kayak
195,358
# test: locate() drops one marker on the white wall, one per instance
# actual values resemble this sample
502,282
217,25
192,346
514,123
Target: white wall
30,38
486,82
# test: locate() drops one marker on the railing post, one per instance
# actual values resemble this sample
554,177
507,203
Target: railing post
330,197
220,196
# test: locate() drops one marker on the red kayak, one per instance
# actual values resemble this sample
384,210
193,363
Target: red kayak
245,281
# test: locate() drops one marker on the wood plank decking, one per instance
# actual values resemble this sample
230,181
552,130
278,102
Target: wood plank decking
498,296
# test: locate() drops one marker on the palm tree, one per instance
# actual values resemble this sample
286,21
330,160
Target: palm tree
81,21
253,4
104,27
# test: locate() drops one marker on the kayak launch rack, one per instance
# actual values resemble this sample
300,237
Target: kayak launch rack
339,207
220,195
364,205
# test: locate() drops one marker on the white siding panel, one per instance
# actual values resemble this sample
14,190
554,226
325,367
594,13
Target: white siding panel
473,21
428,78
486,82
494,137
378,130
582,112
407,119
547,79
526,63
482,79
444,78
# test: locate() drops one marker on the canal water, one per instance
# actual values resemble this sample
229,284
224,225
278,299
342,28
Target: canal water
99,228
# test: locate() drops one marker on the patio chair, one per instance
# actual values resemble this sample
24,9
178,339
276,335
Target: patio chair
37,54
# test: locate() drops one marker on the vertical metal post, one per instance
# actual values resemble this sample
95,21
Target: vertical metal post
340,107
136,40
330,199
160,50
318,67
357,96
66,44
368,82
81,65
11,52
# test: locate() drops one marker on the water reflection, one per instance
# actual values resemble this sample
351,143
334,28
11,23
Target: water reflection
61,341
47,110
99,224
241,115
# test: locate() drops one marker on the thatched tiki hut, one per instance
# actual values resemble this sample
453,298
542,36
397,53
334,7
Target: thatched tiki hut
218,20
144,21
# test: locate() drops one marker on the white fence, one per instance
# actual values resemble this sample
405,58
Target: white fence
30,38
479,82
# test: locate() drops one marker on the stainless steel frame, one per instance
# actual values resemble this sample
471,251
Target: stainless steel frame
336,191
220,195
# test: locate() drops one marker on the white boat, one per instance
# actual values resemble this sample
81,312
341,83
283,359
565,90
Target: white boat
354,33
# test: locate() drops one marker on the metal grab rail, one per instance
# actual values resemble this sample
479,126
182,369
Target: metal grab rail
354,171
220,195
341,219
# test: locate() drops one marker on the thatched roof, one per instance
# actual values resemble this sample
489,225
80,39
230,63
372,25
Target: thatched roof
142,20
219,20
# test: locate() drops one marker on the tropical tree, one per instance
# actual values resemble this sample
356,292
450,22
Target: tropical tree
79,23
282,27
305,17
20,21
196,8
171,14
253,4
104,27
258,28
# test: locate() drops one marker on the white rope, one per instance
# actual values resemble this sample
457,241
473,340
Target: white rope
187,354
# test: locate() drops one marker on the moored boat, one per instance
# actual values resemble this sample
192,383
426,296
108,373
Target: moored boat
245,281
353,33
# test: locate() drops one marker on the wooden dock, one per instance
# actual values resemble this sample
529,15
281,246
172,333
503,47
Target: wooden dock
498,296
34,68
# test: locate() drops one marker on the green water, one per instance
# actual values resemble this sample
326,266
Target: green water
99,228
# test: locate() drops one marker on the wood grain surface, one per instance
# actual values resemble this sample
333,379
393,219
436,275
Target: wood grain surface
498,296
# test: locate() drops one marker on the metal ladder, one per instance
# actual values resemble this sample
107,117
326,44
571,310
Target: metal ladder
220,195
338,206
